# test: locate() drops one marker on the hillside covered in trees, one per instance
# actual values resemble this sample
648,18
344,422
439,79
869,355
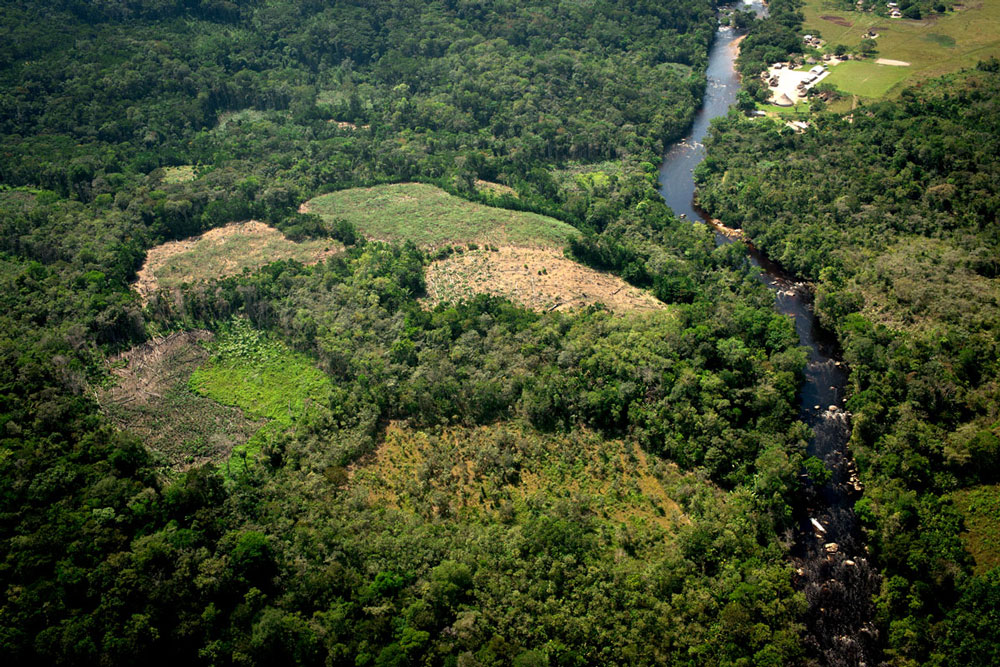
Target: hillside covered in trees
321,469
265,462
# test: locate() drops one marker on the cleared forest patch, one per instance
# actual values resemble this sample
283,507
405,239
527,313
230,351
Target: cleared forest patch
507,468
151,398
538,278
224,251
429,216
496,189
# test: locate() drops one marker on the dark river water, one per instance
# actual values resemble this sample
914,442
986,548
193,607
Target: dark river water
829,556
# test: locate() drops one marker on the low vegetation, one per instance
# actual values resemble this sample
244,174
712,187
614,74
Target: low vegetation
221,252
503,471
537,278
148,394
980,508
261,377
429,216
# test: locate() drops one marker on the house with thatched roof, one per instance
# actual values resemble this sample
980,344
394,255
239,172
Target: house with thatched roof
784,101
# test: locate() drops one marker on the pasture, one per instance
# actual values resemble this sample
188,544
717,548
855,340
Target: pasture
934,45
430,217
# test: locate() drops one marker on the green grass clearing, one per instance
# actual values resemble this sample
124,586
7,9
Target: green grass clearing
262,377
935,45
866,78
980,505
429,216
799,111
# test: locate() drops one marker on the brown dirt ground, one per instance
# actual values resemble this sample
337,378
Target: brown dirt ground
837,20
514,272
253,244
150,398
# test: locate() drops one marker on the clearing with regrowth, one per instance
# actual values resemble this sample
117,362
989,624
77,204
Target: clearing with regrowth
222,252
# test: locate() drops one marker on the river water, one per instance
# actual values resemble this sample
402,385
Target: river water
832,568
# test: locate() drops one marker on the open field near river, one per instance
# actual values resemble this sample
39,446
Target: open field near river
934,45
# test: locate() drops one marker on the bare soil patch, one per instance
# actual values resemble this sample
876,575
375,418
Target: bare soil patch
890,61
224,251
837,20
539,278
151,398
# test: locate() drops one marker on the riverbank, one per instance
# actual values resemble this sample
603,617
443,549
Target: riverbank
829,555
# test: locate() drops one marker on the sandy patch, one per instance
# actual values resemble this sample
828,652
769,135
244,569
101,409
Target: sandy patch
735,44
894,63
539,278
789,80
221,252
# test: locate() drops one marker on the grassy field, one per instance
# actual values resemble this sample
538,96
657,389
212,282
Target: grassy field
933,46
223,252
866,79
980,505
430,216
799,111
507,467
262,377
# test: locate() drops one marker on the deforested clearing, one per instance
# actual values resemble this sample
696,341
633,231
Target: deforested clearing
429,216
539,278
149,395
224,251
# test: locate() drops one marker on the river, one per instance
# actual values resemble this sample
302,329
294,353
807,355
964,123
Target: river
832,568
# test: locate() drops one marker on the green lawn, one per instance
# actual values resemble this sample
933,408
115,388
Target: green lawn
933,46
865,78
980,505
429,216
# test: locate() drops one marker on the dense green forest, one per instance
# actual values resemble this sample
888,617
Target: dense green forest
892,213
128,123
334,473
